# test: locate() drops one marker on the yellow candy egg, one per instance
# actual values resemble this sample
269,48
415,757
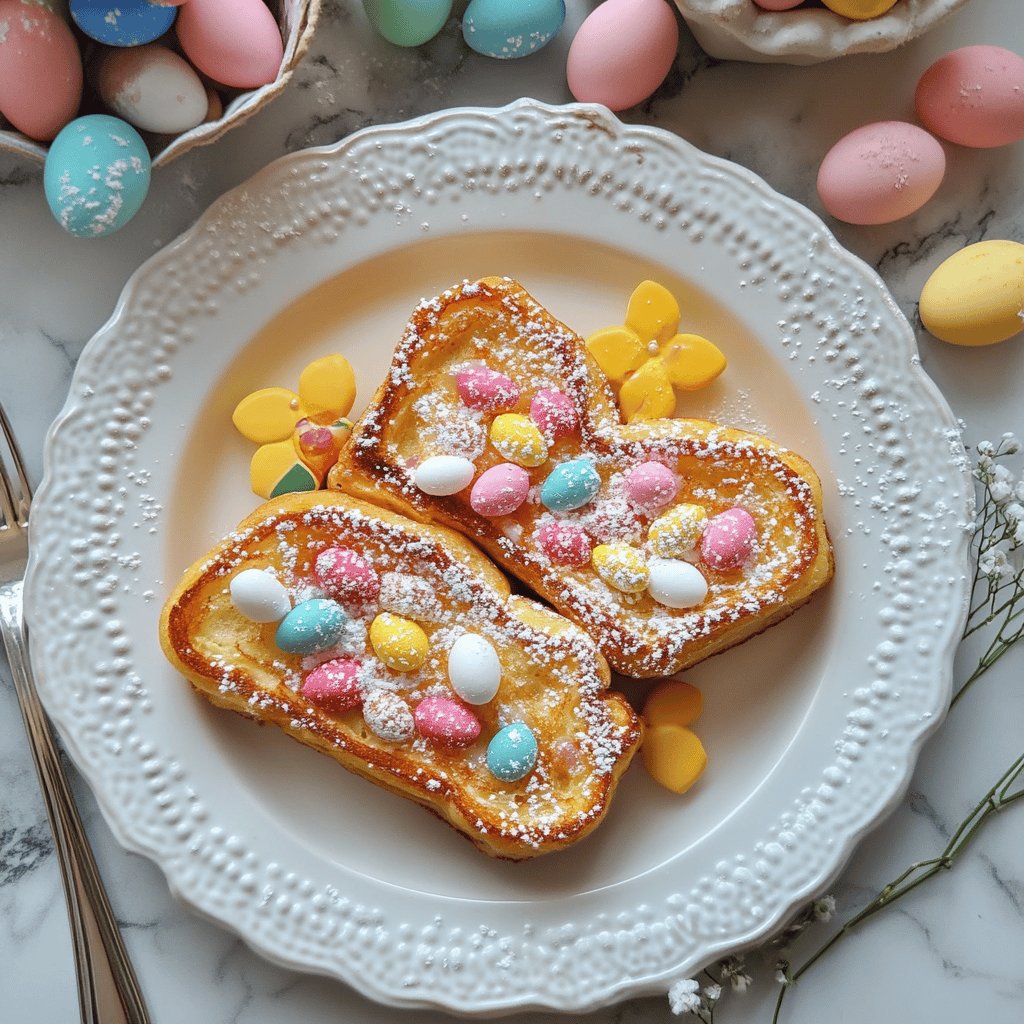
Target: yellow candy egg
648,394
859,10
976,297
518,439
400,643
691,362
674,757
621,567
673,702
618,351
677,531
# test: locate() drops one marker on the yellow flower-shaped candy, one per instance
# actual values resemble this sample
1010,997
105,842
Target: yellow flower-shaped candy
673,755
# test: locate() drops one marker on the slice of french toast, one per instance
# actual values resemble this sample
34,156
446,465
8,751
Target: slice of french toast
666,540
366,609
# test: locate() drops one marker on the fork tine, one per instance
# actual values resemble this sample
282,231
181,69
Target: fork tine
16,505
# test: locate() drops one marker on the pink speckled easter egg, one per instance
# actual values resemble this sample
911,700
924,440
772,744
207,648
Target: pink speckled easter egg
728,539
500,490
447,721
650,486
555,413
486,390
346,575
334,685
564,544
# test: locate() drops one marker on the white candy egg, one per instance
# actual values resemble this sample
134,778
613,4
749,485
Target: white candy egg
474,669
259,596
441,475
675,583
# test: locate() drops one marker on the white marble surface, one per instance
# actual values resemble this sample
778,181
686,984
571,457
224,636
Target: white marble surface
951,951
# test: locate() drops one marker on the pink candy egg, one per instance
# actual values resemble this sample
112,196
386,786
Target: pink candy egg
564,544
40,70
728,539
881,173
778,5
974,96
555,413
345,574
334,685
447,721
486,390
235,42
650,486
622,52
500,490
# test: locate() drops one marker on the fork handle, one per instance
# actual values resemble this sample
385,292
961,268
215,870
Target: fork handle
108,990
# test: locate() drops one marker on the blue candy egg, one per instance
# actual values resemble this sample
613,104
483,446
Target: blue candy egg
408,22
512,752
570,485
96,175
311,627
122,22
511,28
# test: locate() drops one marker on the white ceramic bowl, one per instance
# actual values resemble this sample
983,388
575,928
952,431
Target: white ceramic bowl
740,30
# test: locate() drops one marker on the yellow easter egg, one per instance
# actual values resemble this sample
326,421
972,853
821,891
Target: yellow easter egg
622,567
648,394
327,388
859,10
518,439
976,297
653,312
673,756
400,643
618,351
677,531
691,362
673,702
269,414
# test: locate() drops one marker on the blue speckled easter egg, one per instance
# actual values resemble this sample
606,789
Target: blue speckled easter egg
122,22
96,175
311,626
512,752
408,22
511,28
570,485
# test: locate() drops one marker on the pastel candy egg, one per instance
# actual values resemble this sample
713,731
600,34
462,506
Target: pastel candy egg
346,575
622,567
650,486
555,413
259,596
122,22
728,539
512,752
447,721
673,702
570,485
673,756
400,643
235,42
40,70
778,5
859,10
311,626
474,669
678,531
408,22
518,439
385,713
441,475
676,584
152,88
500,490
507,29
96,175
880,173
486,390
564,544
334,685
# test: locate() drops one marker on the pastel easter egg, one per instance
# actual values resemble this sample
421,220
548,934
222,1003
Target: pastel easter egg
674,757
152,88
880,173
486,390
859,10
518,439
675,583
259,596
500,490
122,22
441,475
622,567
728,539
974,96
408,22
400,643
346,575
555,413
778,5
650,486
570,485
446,721
235,42
673,702
386,714
507,29
678,531
622,52
564,544
40,70
334,685
311,627
474,669
96,175
976,296
512,752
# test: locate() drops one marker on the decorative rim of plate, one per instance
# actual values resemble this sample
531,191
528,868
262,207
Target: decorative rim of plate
477,960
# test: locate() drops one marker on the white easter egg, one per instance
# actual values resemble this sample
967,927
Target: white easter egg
259,596
474,669
675,583
442,475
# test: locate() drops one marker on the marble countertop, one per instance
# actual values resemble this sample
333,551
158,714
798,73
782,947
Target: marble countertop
950,951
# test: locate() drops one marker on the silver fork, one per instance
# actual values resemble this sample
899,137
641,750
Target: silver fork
108,990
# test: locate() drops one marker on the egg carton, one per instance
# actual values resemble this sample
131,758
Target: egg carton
740,30
297,19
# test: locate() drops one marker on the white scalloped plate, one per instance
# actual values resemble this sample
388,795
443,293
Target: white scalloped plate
812,728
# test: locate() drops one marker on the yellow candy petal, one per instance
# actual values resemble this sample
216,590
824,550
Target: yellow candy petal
268,415
622,567
648,394
673,702
618,351
674,757
653,312
327,388
277,469
400,643
691,361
